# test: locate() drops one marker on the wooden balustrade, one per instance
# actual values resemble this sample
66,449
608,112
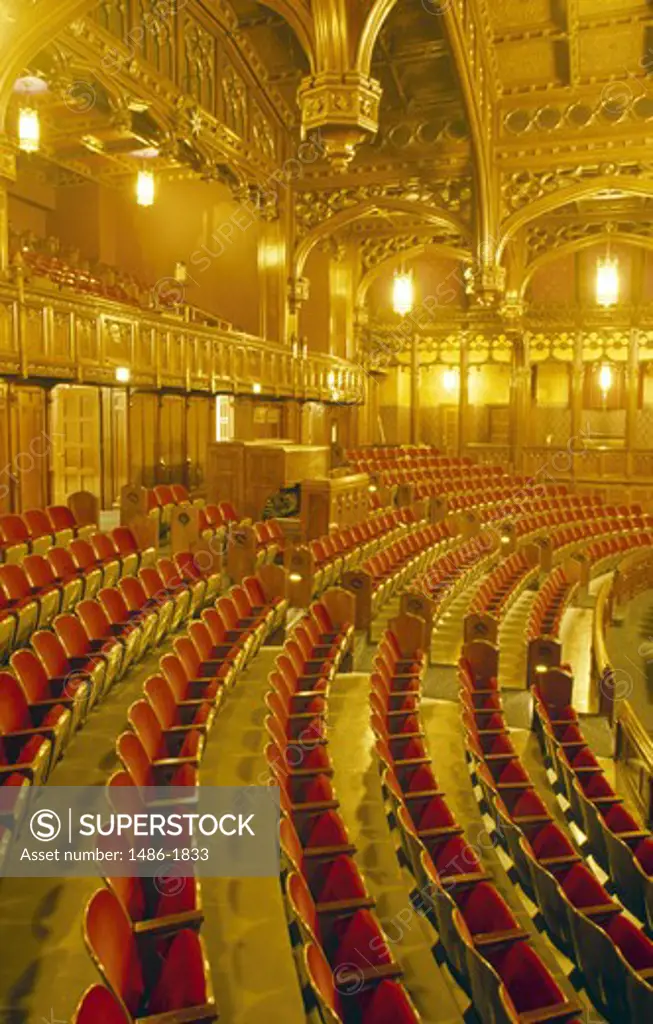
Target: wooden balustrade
62,335
634,747
633,744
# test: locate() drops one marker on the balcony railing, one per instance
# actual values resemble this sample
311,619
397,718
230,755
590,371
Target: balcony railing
64,336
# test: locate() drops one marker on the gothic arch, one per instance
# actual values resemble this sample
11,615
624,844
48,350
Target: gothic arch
352,213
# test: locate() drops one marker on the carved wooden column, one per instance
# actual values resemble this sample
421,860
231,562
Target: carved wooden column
7,176
414,390
577,377
463,400
632,399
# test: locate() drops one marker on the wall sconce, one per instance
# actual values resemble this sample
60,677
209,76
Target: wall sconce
295,577
123,374
402,293
181,272
29,130
145,188
256,388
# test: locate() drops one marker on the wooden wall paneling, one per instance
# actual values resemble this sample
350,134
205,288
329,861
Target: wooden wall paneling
172,432
5,451
77,441
9,336
114,454
32,447
143,438
200,429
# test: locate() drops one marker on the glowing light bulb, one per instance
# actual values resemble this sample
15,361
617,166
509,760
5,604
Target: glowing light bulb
145,188
607,282
402,293
29,130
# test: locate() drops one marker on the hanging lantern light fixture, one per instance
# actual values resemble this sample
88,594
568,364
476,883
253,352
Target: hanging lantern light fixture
29,130
145,188
403,293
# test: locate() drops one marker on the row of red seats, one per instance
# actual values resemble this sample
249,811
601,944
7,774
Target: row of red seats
501,585
33,592
488,951
447,572
339,549
37,530
53,685
344,954
614,836
125,921
67,275
613,954
549,606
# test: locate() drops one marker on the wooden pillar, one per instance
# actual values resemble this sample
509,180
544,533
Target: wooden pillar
463,400
577,394
414,390
7,176
632,398
519,399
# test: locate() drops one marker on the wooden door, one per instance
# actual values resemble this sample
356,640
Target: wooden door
173,439
32,446
115,472
200,427
77,461
144,438
5,453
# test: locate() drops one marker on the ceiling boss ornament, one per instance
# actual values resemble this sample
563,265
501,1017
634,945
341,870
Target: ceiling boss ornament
343,108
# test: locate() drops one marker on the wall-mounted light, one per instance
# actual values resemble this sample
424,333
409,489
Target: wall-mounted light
29,130
607,281
145,188
451,379
256,388
123,374
181,272
541,669
505,539
402,293
295,577
372,488
605,378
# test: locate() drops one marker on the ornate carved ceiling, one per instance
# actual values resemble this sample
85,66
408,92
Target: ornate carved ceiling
479,124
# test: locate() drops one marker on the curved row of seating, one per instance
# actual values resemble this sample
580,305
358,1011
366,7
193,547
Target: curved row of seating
549,606
147,946
344,963
37,530
502,585
346,547
614,956
488,952
614,836
52,686
33,591
388,571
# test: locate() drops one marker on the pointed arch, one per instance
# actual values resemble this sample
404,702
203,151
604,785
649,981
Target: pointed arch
553,201
578,245
396,259
352,213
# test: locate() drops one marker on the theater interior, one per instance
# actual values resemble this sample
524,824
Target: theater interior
326,468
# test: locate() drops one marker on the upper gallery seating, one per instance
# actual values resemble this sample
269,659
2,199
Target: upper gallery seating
46,260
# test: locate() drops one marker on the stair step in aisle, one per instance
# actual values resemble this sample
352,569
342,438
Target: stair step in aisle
245,926
358,787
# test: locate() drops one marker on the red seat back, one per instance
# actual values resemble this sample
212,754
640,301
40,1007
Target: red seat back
109,936
61,517
99,1004
38,523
